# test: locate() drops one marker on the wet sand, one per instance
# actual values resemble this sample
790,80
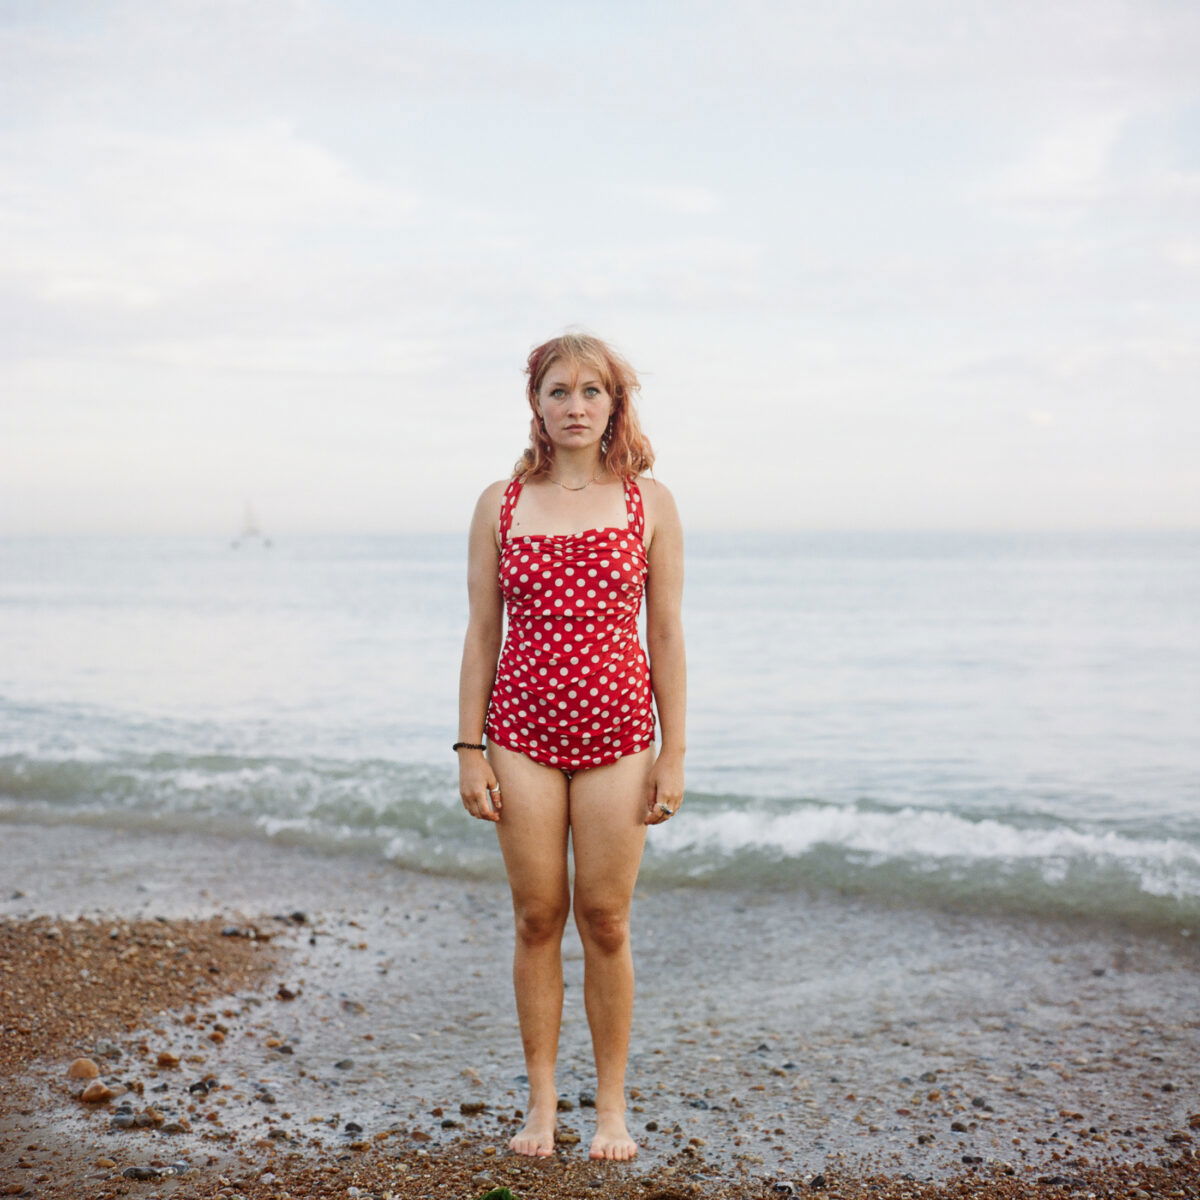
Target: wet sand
358,1031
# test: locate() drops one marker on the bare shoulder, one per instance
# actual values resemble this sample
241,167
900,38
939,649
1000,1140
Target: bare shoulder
487,507
658,499
662,515
491,495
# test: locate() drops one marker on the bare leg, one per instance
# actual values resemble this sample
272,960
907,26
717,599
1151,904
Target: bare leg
533,838
608,835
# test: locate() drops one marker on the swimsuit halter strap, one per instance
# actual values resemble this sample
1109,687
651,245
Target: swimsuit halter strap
506,507
635,514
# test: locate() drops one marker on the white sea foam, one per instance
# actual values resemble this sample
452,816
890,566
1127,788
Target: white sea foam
932,839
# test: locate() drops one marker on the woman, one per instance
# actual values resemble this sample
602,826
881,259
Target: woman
567,547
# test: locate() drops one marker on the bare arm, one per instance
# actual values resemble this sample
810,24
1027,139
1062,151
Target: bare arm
481,650
664,642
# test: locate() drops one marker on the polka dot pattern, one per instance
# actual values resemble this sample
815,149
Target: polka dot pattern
572,685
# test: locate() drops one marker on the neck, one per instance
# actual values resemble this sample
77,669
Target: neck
575,467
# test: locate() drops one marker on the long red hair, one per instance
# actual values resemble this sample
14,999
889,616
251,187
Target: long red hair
624,448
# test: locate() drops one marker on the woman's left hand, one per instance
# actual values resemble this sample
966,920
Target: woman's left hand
664,788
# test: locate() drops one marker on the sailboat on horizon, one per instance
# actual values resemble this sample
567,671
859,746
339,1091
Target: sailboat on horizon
250,531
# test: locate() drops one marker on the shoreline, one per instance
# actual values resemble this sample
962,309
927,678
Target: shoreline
777,1039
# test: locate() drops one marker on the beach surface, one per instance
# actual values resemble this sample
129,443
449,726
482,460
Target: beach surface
275,1022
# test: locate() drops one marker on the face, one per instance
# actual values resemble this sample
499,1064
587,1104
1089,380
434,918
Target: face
574,404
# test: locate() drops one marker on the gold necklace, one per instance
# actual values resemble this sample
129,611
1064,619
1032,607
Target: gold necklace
576,489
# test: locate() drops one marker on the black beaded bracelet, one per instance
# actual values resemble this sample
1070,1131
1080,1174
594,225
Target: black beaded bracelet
467,746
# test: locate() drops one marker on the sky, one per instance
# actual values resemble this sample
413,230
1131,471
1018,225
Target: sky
880,264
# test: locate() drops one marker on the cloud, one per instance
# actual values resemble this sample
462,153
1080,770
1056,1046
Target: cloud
679,199
128,217
1067,166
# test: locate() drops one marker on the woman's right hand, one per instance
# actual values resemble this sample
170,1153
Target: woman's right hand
478,786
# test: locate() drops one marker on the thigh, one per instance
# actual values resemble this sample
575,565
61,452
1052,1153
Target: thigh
608,829
533,824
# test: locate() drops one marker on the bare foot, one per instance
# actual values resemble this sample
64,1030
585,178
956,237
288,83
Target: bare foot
536,1139
612,1138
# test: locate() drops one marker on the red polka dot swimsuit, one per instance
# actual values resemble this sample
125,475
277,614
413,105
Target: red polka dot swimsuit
572,685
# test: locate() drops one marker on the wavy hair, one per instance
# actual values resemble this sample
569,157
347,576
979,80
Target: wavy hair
624,448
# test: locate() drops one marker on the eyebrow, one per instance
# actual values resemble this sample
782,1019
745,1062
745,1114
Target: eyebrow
564,383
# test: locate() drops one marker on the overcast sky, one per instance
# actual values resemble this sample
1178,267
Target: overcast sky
905,264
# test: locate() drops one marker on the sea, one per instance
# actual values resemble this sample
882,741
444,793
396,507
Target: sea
991,722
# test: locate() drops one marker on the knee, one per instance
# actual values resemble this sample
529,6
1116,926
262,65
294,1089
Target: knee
605,928
539,922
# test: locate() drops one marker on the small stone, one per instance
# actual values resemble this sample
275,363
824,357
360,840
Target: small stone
958,1127
565,1105
96,1093
471,1108
83,1068
105,1162
651,1126
177,1127
817,1182
568,1137
167,1058
285,993
140,1172
344,1064
587,1100
123,1121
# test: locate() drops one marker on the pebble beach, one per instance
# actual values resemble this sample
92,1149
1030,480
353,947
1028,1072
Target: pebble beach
264,1021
